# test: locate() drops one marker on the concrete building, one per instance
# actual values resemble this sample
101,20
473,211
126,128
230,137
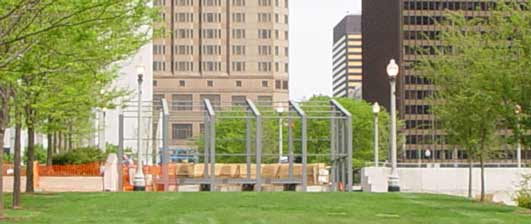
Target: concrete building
222,50
347,72
396,29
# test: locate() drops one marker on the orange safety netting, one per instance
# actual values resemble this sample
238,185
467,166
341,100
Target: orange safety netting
89,169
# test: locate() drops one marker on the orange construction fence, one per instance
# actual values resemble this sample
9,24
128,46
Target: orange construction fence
89,169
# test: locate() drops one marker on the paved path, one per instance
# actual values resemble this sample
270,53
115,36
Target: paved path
61,184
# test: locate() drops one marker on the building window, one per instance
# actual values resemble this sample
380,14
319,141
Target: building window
265,100
264,34
238,2
157,100
264,66
181,102
155,83
238,66
210,83
215,100
285,84
182,83
239,100
278,84
182,131
238,83
265,83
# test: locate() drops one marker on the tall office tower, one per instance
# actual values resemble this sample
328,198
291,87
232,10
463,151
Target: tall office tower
406,30
347,73
221,50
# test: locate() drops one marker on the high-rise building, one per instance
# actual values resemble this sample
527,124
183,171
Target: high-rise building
221,50
347,73
407,30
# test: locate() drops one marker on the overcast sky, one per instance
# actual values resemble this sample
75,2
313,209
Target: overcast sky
311,32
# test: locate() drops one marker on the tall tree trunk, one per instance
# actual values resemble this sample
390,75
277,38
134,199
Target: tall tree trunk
65,142
31,158
5,94
470,175
2,134
59,142
482,164
49,152
70,140
17,161
55,146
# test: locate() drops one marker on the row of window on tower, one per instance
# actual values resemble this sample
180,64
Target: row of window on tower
449,5
236,34
220,2
238,17
263,50
430,20
216,66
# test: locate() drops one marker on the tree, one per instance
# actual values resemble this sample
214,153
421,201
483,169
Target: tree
480,74
230,132
64,51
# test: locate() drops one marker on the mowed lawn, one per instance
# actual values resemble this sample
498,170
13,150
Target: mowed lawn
213,208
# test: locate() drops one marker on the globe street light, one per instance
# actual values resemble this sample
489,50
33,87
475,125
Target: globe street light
376,111
392,71
517,111
139,181
280,110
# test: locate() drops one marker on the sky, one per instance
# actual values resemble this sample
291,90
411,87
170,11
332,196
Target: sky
311,31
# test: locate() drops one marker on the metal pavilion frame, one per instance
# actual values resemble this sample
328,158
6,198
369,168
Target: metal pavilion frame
340,143
340,138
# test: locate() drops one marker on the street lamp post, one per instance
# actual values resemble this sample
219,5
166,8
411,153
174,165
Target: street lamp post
376,111
392,71
139,181
517,111
280,110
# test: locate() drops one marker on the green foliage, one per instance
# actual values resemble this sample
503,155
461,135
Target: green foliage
79,156
523,195
40,155
481,79
230,133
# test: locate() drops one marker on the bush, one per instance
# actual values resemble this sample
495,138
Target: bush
39,155
79,156
523,195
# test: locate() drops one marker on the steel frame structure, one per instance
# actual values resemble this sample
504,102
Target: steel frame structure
340,138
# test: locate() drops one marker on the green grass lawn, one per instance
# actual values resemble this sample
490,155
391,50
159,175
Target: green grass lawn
214,208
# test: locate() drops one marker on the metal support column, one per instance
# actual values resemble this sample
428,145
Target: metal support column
290,146
304,154
165,151
206,146
345,131
120,152
333,147
304,146
248,146
212,143
258,144
258,141
349,153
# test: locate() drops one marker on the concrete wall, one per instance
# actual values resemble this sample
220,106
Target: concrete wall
501,183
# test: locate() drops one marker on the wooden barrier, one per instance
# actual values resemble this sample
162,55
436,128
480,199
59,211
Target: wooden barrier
223,171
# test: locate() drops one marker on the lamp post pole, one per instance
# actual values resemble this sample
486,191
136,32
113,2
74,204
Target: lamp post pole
376,110
280,137
139,181
392,71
